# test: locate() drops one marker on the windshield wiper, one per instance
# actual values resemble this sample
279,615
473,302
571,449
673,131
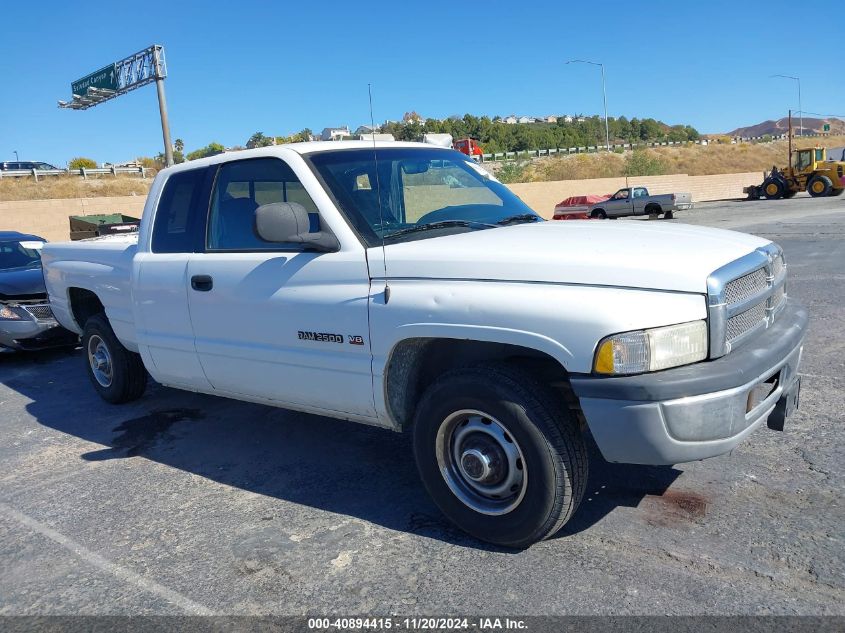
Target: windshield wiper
519,219
443,224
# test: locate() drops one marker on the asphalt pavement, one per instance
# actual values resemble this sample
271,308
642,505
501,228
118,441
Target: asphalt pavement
189,504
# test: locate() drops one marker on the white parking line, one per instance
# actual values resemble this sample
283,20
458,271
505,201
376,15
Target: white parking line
176,598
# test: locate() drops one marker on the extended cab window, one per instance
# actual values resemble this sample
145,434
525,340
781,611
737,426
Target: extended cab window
240,188
176,220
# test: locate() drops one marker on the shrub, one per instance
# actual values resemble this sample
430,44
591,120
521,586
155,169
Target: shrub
644,163
82,163
513,171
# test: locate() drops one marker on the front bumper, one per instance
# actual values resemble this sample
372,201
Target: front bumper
29,334
697,411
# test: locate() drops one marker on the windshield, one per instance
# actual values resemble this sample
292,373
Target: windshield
416,193
16,254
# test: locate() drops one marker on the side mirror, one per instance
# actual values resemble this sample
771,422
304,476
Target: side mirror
290,222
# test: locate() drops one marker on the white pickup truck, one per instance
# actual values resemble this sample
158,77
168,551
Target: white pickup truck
400,285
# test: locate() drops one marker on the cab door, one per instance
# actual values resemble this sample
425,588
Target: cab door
275,321
618,205
160,297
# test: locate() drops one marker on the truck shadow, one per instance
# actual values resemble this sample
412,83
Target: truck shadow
332,465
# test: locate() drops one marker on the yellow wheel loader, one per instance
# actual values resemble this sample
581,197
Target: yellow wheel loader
809,170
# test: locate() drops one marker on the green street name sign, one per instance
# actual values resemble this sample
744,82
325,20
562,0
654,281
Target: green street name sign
105,78
826,127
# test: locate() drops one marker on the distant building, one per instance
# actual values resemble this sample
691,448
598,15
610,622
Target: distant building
525,119
413,117
510,120
550,119
366,129
567,119
334,133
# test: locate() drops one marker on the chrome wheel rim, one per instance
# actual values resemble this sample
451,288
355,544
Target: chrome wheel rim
100,360
481,462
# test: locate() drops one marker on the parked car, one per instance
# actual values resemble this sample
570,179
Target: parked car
637,201
17,165
26,321
343,280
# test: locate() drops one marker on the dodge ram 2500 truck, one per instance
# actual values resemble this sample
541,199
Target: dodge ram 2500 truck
400,285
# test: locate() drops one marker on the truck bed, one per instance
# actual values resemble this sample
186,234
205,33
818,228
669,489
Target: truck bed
102,265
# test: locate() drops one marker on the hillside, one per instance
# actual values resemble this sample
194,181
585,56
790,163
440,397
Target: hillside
781,126
693,160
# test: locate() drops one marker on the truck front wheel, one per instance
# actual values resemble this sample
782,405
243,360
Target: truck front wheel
117,374
499,455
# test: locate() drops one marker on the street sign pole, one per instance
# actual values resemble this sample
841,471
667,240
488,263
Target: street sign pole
162,108
116,79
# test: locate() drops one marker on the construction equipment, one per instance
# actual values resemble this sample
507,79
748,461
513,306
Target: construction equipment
809,170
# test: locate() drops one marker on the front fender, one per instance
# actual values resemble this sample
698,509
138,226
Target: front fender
564,321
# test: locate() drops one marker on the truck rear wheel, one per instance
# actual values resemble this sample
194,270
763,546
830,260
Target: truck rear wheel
499,455
117,374
820,186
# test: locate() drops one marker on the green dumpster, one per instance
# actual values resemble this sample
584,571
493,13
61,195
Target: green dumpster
85,226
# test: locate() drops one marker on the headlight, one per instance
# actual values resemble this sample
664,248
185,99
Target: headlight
652,350
8,314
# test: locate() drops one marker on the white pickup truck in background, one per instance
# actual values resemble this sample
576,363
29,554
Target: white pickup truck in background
638,201
399,285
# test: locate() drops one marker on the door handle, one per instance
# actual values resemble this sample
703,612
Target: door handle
202,283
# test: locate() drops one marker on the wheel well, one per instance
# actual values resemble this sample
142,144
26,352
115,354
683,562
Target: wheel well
653,207
597,211
83,305
416,363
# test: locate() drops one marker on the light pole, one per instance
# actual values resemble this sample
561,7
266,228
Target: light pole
800,109
603,94
17,158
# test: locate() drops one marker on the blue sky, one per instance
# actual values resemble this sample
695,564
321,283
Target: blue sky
240,67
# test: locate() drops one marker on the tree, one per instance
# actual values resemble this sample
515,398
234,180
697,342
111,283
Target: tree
179,145
259,140
211,149
82,163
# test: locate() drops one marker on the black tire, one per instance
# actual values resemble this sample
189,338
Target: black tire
544,433
599,214
773,188
668,215
837,192
819,186
117,374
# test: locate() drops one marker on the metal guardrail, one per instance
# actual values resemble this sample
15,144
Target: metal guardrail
593,149
83,172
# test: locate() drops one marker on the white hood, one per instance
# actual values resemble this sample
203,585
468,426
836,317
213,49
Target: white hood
634,254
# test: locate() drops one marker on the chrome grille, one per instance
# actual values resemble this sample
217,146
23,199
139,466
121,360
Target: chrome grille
746,286
41,312
777,266
779,295
744,296
744,321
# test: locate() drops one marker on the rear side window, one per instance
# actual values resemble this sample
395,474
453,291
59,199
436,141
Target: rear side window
176,221
240,188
